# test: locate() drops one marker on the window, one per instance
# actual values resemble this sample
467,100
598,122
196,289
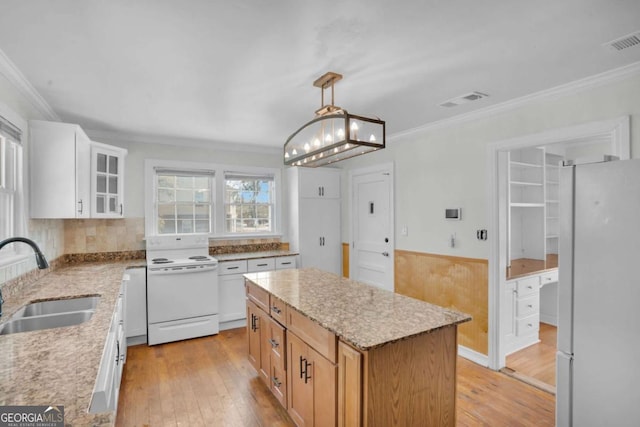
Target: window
183,197
249,203
184,203
10,178
12,221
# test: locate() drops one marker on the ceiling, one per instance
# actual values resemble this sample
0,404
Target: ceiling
241,71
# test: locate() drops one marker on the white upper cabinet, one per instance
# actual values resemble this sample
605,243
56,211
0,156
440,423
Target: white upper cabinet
60,170
71,176
107,181
318,183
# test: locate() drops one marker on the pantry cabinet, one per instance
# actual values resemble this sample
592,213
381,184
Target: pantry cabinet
60,155
314,217
72,176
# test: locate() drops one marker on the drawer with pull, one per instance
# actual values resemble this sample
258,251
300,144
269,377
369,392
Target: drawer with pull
285,262
528,325
549,277
528,306
232,267
278,310
261,264
258,295
528,286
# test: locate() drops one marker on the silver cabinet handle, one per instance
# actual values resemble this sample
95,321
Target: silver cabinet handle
81,206
385,253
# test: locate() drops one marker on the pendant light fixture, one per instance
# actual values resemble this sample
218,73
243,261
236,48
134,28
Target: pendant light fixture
334,134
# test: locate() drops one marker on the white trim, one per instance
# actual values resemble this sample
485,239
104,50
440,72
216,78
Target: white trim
181,142
473,355
389,168
617,128
551,93
20,82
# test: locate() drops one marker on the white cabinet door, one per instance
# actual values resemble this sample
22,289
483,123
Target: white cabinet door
322,183
136,302
60,164
232,298
107,181
320,244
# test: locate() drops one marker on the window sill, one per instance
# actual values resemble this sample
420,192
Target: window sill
9,260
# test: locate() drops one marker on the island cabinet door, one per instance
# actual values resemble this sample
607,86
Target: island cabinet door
256,332
349,386
312,381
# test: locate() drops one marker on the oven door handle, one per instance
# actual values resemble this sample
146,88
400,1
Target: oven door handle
180,270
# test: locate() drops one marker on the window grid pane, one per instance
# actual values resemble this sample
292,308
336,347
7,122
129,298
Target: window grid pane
183,204
249,205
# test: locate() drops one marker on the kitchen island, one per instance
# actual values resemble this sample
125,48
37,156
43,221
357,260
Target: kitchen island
355,354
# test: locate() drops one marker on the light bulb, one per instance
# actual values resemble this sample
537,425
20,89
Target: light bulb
346,146
294,152
372,138
313,157
340,133
307,147
335,150
286,155
354,126
316,142
328,138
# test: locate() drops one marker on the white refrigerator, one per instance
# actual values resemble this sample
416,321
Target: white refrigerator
598,359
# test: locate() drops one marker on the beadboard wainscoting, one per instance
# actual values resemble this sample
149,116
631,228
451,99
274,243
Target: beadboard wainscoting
452,282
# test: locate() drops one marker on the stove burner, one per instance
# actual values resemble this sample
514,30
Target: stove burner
199,257
161,261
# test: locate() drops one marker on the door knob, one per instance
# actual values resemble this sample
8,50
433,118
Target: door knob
385,253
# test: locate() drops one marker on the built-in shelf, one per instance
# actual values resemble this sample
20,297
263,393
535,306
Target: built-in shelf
527,205
527,184
525,165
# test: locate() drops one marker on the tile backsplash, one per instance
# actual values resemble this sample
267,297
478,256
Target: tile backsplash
103,235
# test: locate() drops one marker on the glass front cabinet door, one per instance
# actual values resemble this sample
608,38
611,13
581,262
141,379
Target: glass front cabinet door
107,181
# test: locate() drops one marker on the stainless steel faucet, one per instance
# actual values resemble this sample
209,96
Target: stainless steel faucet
40,259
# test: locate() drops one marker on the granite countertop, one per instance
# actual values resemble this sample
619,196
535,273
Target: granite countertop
59,366
252,255
361,315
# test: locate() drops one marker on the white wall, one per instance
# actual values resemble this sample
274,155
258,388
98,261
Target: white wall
445,166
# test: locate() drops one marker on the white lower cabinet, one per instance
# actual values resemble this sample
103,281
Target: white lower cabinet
521,313
114,355
233,310
136,312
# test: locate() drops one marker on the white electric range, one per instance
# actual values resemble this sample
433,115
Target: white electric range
182,288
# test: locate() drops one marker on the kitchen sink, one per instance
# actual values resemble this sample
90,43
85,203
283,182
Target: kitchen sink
57,306
50,314
48,321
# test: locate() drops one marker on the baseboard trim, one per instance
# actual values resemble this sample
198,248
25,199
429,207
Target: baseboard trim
474,356
137,340
549,319
232,324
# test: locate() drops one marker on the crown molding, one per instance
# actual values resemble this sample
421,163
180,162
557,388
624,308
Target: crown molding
567,89
20,82
115,136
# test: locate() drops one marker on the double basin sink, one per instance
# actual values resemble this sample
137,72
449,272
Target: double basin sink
51,314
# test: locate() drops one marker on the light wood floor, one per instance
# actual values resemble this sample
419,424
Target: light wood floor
209,382
538,361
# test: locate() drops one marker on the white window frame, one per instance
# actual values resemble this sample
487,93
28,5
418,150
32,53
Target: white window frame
218,193
243,175
12,254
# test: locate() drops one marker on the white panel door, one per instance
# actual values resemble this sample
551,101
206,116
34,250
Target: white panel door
372,246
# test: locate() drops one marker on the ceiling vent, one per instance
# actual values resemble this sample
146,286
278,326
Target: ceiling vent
463,99
624,42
